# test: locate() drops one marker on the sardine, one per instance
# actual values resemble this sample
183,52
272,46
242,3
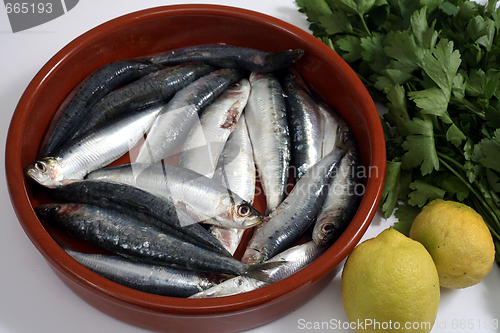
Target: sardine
198,196
179,116
129,237
153,279
236,170
88,93
206,140
158,211
305,123
92,150
268,130
229,56
296,258
343,198
284,226
150,90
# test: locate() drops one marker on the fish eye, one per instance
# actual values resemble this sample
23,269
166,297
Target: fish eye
328,228
52,209
243,210
40,166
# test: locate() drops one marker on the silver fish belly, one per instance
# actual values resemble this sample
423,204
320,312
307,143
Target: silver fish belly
181,113
198,196
284,226
268,129
236,170
295,258
92,150
206,140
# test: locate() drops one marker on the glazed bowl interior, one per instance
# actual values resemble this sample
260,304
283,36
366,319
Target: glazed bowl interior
157,30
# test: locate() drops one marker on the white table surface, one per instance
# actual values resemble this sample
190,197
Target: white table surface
33,299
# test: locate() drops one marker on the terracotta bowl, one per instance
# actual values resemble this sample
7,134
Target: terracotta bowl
152,31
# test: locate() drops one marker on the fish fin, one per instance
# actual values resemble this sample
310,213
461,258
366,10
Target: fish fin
258,271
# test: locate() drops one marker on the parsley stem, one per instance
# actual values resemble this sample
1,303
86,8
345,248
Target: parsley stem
451,160
491,210
364,24
477,205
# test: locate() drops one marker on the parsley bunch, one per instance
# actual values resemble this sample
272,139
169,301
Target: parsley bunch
435,64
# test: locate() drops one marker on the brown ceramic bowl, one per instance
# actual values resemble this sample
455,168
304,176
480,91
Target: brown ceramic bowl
152,31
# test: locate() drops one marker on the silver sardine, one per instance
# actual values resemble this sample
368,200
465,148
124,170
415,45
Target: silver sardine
229,56
200,197
344,194
236,170
305,123
92,150
153,279
268,129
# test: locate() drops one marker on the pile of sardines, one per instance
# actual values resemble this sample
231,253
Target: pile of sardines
229,117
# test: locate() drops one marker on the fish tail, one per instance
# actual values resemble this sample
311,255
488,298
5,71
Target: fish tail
259,271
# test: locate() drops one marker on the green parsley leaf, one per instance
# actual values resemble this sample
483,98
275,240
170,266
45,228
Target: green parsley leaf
455,135
425,36
314,8
405,214
455,187
432,101
421,149
442,65
352,47
423,193
487,152
398,114
373,52
335,23
391,187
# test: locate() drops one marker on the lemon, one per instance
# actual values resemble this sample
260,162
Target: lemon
390,284
458,240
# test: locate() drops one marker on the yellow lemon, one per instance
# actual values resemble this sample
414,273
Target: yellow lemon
390,284
458,240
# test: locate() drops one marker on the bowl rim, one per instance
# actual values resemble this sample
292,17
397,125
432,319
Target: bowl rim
60,260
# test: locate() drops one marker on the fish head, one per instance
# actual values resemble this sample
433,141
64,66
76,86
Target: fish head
46,172
52,210
324,232
48,211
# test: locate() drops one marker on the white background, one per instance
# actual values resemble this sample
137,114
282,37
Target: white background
33,299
